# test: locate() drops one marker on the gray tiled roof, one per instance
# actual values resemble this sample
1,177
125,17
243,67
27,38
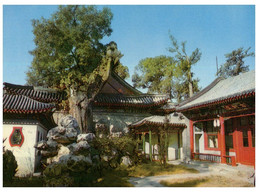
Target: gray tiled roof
222,89
144,100
156,120
36,93
23,104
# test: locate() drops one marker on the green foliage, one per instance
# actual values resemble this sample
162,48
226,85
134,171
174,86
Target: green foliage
181,88
25,182
69,56
9,166
70,174
111,150
163,144
169,75
68,50
67,44
184,64
156,74
235,63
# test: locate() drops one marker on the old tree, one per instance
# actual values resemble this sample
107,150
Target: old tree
69,56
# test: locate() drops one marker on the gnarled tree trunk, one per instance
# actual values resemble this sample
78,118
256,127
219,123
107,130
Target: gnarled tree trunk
81,109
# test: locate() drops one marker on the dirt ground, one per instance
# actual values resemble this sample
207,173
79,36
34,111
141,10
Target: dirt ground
212,181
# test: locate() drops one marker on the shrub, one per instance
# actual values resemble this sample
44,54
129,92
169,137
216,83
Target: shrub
71,174
9,166
111,150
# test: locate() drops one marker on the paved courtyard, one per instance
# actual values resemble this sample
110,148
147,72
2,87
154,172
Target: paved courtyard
241,173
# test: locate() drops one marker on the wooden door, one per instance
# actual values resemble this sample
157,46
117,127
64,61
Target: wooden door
246,140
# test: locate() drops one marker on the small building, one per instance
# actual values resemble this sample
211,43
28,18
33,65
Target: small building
119,104
120,107
222,120
27,116
175,131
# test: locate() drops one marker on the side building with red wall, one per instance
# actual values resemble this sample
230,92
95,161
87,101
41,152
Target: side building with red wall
222,121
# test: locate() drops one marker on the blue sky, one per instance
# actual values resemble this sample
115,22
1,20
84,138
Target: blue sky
142,31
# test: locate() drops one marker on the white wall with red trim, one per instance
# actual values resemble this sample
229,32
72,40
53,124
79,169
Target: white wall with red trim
26,153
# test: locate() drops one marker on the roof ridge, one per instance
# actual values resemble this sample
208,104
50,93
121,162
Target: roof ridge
141,95
115,75
17,86
35,88
203,91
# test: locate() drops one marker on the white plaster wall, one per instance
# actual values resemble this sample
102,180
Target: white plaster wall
186,141
173,146
117,120
25,155
172,149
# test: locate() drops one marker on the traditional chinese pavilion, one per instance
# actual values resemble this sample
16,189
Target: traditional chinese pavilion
27,116
222,120
176,135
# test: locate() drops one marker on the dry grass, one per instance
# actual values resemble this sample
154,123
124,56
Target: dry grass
213,181
155,168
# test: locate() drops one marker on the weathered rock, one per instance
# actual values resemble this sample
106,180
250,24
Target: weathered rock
69,122
81,147
47,148
89,137
52,144
48,153
62,135
42,145
52,132
125,160
71,134
70,159
63,150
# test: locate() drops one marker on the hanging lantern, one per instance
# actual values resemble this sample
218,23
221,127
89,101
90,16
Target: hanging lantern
218,122
214,123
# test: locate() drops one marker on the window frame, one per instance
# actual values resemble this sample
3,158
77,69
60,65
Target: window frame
10,137
230,134
207,134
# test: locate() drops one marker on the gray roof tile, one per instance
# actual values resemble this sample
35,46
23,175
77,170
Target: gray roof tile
222,89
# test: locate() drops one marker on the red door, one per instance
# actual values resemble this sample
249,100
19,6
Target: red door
246,140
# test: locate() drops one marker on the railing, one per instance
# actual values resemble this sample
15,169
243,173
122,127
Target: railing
231,160
206,157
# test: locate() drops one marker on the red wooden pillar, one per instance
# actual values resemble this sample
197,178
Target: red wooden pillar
191,139
222,140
